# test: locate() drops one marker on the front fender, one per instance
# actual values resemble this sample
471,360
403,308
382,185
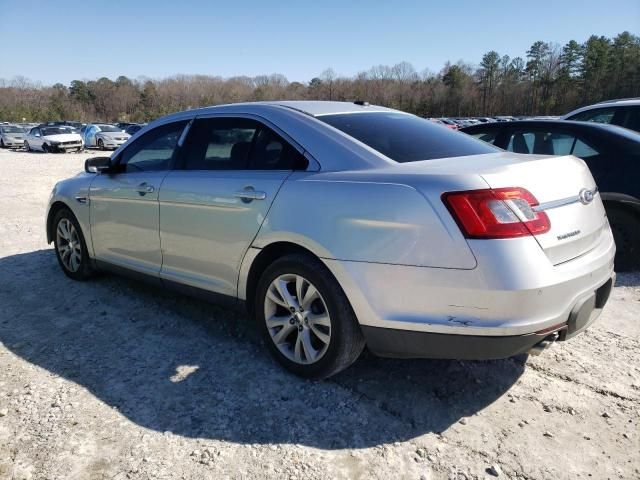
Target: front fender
73,193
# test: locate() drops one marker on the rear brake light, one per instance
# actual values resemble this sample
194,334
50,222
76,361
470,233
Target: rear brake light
496,213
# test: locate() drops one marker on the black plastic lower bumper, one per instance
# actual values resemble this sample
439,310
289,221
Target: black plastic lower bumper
387,342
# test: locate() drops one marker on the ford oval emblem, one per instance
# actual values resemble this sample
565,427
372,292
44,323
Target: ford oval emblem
586,196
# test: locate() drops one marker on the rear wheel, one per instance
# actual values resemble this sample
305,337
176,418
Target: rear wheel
306,319
2,145
70,246
626,233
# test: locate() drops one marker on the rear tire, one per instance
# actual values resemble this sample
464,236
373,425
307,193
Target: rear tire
2,143
626,233
70,246
324,329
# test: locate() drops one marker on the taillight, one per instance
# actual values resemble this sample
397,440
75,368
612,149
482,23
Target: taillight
496,213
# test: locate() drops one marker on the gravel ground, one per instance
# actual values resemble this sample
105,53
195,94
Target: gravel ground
111,380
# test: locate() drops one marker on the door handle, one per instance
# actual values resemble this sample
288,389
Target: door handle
249,194
143,189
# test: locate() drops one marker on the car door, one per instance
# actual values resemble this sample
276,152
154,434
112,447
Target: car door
124,204
212,207
35,139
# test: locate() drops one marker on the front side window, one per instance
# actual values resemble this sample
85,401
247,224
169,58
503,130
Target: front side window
632,121
406,138
237,144
598,115
154,150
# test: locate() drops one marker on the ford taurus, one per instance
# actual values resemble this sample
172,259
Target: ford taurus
342,225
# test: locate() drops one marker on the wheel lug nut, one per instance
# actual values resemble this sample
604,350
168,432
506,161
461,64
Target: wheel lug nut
293,309
300,328
292,320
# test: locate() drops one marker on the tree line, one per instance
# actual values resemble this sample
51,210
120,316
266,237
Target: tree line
548,80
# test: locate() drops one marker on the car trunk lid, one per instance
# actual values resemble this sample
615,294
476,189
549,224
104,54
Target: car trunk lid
566,192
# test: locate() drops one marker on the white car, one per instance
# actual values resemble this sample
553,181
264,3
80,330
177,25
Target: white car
104,136
53,139
623,112
12,136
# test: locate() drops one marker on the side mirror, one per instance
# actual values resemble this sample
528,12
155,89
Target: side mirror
97,165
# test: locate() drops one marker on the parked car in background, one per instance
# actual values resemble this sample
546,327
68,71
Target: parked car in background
53,139
66,123
447,122
104,136
12,136
342,225
124,125
612,154
624,113
131,129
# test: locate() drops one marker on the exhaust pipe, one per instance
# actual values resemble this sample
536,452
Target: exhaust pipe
541,346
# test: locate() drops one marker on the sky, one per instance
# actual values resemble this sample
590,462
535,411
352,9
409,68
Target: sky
62,40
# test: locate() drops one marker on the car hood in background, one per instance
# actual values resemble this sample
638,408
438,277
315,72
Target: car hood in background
63,137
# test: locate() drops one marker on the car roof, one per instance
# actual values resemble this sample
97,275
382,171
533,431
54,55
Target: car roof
621,102
593,126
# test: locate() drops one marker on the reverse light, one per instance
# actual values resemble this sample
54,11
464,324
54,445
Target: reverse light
496,213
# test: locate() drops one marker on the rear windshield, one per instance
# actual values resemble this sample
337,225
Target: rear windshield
406,138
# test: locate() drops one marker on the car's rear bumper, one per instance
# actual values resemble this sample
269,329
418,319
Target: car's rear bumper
514,293
389,342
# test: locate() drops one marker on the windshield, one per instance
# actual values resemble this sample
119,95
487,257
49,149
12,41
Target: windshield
56,131
406,138
12,129
109,128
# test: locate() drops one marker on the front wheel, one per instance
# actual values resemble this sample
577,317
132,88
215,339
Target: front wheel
100,144
27,147
45,148
306,319
70,246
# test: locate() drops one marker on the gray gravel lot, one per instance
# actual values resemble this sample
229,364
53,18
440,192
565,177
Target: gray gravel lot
111,380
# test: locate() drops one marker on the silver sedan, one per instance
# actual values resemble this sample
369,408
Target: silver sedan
342,225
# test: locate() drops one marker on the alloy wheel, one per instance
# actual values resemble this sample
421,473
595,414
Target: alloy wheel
297,319
68,245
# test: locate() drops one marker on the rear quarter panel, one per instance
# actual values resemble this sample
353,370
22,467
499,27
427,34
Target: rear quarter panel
364,221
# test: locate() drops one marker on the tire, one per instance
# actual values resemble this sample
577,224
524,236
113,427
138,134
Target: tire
335,346
626,233
100,144
27,147
2,143
66,227
45,148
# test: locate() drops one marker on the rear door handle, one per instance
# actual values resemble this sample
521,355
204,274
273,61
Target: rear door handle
249,195
143,189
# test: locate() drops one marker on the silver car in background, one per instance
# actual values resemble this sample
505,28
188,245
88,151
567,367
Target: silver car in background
104,136
12,136
343,225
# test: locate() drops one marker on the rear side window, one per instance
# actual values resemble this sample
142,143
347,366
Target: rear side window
598,115
237,144
406,138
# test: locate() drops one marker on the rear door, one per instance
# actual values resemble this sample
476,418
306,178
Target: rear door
124,206
211,209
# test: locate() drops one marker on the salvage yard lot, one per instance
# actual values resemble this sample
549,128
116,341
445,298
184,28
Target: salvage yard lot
112,379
